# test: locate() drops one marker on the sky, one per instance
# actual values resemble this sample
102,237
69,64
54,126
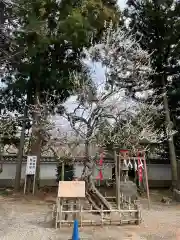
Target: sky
122,3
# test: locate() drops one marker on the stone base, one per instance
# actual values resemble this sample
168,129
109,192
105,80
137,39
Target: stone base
176,195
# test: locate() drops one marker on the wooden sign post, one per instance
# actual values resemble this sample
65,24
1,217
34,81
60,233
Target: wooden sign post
30,171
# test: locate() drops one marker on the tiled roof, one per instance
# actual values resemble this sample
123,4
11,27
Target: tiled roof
14,158
77,153
107,160
61,150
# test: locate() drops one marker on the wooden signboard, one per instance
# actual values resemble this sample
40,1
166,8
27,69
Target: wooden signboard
71,189
31,165
30,171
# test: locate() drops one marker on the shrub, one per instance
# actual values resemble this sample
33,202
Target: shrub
68,172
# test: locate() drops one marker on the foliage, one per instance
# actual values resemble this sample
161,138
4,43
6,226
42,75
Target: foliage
68,172
156,25
5,36
48,44
8,130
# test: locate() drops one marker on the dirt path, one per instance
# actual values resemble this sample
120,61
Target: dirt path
25,220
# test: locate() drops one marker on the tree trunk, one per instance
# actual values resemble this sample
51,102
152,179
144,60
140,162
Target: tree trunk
170,138
36,143
36,151
95,198
20,153
1,157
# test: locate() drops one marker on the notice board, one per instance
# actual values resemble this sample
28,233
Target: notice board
71,189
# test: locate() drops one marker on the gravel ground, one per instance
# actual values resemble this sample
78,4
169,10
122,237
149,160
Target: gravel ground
23,219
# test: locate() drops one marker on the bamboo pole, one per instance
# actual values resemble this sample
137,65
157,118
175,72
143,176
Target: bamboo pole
146,179
117,180
62,171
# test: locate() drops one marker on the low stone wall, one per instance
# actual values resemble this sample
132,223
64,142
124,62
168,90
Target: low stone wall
159,183
159,175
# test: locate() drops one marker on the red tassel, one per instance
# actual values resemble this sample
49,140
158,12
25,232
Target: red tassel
140,170
100,175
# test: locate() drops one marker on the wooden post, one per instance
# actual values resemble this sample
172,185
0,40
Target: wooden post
75,202
25,184
60,214
146,179
81,211
117,172
62,171
119,179
102,215
34,183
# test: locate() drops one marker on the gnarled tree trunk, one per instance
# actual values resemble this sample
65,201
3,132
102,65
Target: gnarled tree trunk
95,198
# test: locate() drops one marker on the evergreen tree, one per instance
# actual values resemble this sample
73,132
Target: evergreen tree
156,25
48,42
48,46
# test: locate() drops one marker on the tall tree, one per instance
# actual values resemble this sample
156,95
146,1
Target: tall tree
103,106
156,25
50,38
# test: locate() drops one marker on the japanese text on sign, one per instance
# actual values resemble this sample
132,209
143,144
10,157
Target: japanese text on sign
31,165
